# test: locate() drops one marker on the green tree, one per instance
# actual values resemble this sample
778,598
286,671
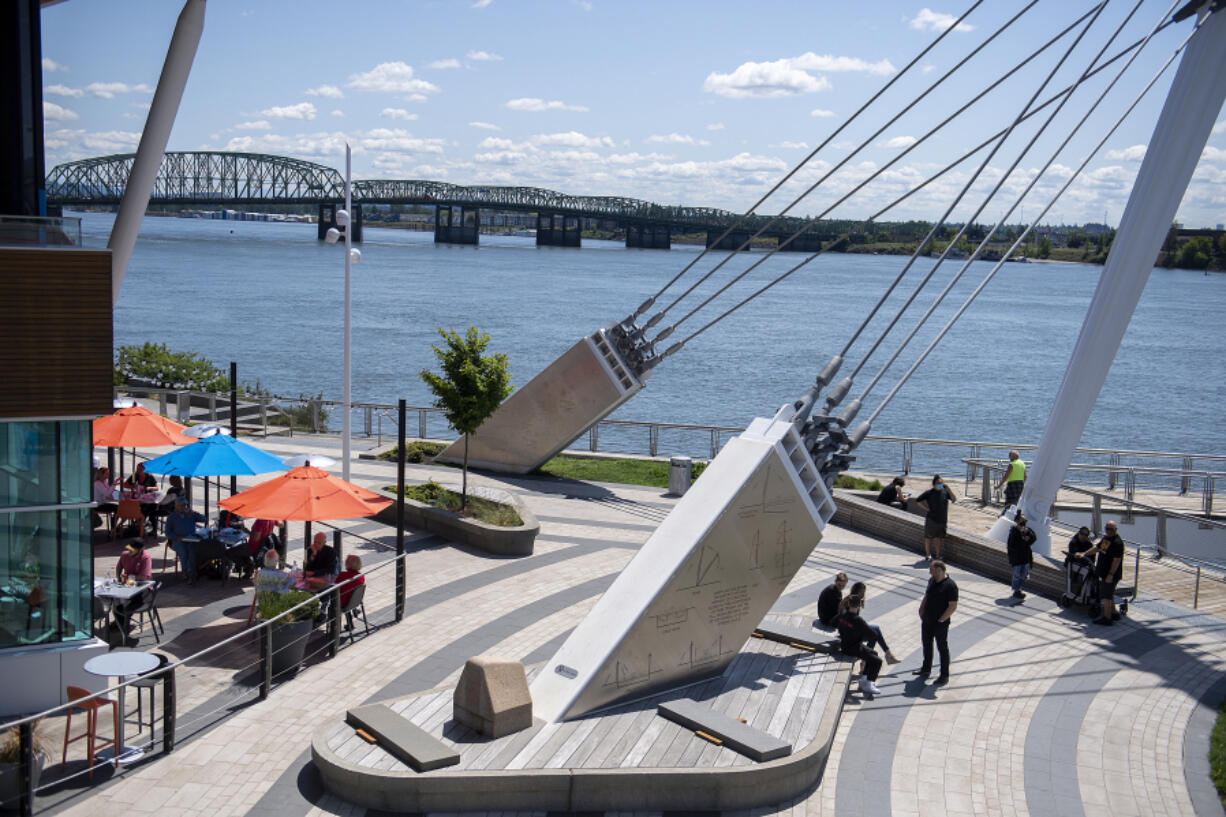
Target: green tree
1044,247
156,365
471,386
1194,254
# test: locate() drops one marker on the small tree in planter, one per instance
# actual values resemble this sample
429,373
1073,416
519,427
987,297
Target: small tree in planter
471,387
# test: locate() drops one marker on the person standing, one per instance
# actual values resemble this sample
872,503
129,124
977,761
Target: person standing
828,601
1013,481
1109,568
1021,556
935,610
893,494
935,504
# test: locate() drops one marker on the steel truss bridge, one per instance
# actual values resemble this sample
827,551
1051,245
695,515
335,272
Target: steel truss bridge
217,178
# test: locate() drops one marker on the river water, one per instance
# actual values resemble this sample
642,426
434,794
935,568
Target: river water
269,296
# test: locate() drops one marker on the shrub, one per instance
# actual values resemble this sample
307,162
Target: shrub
155,364
415,452
483,510
274,604
849,482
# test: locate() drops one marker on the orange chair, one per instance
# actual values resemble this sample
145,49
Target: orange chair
91,708
166,551
129,510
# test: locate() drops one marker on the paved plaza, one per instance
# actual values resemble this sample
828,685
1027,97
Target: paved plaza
1046,714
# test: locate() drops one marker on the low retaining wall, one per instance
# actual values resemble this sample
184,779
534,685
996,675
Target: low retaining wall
494,539
962,548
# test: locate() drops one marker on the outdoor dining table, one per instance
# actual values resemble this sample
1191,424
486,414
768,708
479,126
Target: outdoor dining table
122,664
227,545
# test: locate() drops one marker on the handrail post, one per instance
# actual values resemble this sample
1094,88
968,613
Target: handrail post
593,440
1096,515
169,715
421,423
653,439
265,660
1136,575
1185,480
213,408
400,577
1160,531
334,621
264,415
985,493
162,403
25,737
1196,590
714,442
314,416
1209,486
336,547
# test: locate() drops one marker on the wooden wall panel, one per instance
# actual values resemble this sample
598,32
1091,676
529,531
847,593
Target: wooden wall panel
55,337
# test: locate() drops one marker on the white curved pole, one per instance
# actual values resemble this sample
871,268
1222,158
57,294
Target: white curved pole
153,139
1192,106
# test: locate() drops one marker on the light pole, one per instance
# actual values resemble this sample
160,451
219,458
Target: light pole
352,256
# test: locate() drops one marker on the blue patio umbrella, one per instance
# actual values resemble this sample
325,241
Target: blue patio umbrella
215,456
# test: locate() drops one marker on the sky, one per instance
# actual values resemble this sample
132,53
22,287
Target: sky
684,103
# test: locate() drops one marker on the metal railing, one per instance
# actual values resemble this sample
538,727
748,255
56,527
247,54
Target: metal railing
249,680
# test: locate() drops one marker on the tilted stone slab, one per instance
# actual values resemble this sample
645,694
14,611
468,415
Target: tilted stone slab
753,743
402,739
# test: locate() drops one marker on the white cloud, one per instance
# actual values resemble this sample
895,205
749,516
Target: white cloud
483,56
675,139
111,141
929,68
317,146
572,139
480,4
259,124
51,65
55,113
793,145
583,4
1214,154
821,112
303,110
108,90
330,91
448,63
534,104
929,20
1220,127
63,90
763,80
496,143
1129,154
391,77
898,142
397,113
337,112
483,126
715,126
401,141
828,62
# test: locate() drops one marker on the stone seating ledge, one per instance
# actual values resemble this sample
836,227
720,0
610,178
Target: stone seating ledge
493,539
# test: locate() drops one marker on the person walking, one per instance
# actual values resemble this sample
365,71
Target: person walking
1021,556
935,504
856,640
935,610
1108,568
1013,481
829,600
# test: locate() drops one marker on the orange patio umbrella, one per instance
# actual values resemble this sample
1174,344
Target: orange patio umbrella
305,494
137,427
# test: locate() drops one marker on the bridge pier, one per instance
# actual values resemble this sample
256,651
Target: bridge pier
731,241
805,242
557,230
456,225
648,236
327,219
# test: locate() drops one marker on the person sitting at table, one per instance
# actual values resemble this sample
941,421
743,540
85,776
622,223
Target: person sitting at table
350,577
260,540
181,534
269,579
137,564
320,565
103,491
139,481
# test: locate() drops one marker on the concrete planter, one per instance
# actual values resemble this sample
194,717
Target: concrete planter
289,643
493,539
10,781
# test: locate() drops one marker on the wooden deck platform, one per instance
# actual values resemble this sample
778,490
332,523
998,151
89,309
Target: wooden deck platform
625,758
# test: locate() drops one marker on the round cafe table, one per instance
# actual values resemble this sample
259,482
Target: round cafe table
122,664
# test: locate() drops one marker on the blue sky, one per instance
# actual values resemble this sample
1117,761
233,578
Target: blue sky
702,104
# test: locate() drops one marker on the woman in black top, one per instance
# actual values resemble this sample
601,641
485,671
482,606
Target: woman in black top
1109,569
856,639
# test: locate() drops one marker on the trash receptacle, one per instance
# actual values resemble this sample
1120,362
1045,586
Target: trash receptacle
679,475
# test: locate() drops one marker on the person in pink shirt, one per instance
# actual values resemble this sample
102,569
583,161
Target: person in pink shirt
135,562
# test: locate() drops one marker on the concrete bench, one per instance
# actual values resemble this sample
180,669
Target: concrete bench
402,739
790,634
753,743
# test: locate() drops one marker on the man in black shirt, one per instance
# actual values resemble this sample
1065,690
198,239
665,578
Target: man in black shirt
828,601
1109,569
935,503
1021,556
936,608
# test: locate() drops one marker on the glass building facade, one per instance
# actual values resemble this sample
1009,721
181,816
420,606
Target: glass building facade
46,566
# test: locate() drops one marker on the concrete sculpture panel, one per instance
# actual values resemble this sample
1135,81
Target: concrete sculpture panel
550,411
684,606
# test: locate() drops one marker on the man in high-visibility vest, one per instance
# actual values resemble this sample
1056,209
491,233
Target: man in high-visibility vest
1013,481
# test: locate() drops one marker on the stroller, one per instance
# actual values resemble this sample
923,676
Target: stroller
1081,587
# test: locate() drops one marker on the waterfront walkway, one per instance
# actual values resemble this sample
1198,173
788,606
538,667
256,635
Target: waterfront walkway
1045,715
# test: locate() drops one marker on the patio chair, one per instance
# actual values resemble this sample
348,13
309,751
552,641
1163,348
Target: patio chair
149,681
129,511
91,708
147,607
355,607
